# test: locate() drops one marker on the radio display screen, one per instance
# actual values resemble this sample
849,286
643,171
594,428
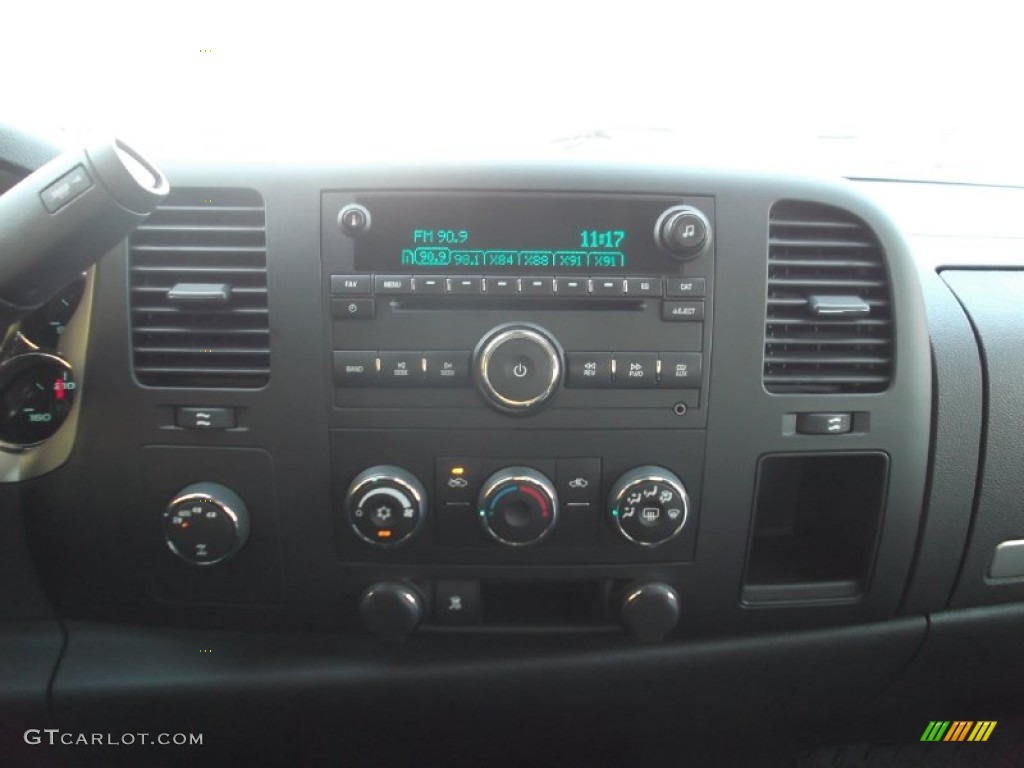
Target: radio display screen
530,233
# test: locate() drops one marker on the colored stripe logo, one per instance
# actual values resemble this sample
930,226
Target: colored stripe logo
958,730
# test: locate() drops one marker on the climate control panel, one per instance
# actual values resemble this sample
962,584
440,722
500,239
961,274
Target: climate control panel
492,510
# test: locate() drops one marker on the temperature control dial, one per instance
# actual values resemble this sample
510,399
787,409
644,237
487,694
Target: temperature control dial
518,506
206,523
649,506
386,506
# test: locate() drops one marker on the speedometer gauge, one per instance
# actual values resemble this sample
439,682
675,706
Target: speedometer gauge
37,391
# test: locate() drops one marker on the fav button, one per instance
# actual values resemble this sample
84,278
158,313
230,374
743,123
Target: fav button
351,285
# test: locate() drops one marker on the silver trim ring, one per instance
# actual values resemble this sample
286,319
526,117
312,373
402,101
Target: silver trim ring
510,335
677,487
217,503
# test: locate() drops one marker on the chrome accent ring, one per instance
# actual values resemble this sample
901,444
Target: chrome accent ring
510,335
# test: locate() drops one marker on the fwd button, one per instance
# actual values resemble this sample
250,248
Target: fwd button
635,370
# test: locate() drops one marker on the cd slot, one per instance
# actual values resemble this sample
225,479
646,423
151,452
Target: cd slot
448,303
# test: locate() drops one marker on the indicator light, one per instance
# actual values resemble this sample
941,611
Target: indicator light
458,471
383,534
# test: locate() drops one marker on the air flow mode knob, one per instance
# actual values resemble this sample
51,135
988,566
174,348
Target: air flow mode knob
649,506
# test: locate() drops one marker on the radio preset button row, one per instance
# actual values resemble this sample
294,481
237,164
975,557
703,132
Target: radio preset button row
562,285
634,370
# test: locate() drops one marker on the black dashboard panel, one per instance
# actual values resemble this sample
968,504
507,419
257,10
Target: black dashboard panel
320,435
823,521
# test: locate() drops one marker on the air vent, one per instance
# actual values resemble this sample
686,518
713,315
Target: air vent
828,327
199,291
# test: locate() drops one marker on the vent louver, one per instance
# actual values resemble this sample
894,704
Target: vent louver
199,291
828,326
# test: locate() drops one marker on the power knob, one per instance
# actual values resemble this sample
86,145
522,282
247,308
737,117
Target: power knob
518,367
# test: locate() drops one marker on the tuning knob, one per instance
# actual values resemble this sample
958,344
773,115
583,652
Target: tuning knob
650,611
518,506
386,505
649,506
206,523
391,610
683,231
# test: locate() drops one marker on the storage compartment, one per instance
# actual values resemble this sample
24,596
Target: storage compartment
816,523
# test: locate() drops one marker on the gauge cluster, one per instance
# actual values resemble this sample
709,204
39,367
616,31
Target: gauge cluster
37,380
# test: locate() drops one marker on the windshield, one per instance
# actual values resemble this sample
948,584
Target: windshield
882,90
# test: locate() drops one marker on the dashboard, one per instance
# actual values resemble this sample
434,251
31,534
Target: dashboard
656,446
